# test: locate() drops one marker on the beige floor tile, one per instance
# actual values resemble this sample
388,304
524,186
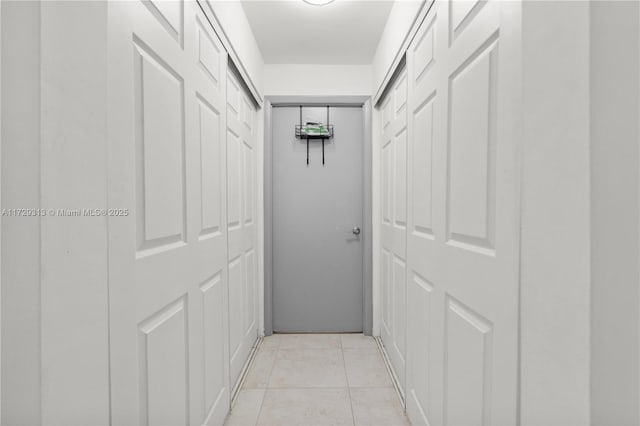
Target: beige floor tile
245,411
366,368
309,341
306,407
307,375
270,342
306,368
258,375
357,341
377,407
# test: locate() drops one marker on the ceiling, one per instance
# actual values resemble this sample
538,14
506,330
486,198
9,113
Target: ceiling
294,32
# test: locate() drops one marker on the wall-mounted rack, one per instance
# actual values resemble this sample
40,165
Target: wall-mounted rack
314,131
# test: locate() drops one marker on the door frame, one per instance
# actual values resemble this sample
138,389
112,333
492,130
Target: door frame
364,102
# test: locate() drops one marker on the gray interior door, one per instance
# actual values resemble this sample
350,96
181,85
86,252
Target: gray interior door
317,257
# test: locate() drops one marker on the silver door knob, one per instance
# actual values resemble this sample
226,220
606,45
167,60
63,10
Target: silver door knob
356,230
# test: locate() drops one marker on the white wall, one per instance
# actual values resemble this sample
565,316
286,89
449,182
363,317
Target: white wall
615,219
312,80
581,214
236,27
55,320
555,251
74,285
398,26
20,236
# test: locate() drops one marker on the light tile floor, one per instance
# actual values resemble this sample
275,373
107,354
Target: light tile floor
318,379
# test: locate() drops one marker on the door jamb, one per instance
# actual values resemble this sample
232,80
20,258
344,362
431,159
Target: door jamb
367,262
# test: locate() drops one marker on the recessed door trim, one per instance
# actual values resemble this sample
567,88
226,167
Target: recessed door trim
363,102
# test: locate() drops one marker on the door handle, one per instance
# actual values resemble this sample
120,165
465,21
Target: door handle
356,230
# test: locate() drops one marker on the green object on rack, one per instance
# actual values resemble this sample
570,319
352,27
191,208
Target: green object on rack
316,129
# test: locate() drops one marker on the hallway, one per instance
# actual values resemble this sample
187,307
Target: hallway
338,379
456,181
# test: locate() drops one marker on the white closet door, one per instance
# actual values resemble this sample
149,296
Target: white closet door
241,224
463,215
168,256
394,225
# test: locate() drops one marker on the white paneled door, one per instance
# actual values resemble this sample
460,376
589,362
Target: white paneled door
168,278
241,224
394,225
462,215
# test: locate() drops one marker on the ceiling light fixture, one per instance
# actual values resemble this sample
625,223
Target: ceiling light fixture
318,2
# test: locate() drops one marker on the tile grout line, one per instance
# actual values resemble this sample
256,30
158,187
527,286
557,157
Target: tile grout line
346,376
266,387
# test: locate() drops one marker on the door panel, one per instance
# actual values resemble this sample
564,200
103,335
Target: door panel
394,224
468,351
317,260
168,256
163,349
243,306
160,151
471,172
462,243
214,331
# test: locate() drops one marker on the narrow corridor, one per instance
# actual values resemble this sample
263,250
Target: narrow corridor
458,178
314,379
